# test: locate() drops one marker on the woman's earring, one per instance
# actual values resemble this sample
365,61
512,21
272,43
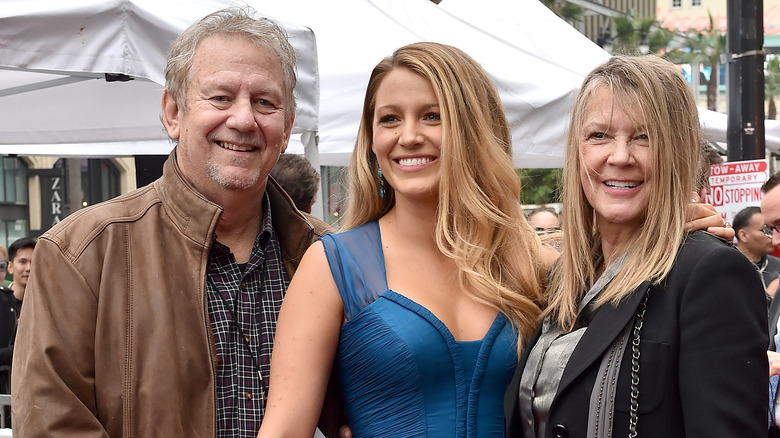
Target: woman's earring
381,183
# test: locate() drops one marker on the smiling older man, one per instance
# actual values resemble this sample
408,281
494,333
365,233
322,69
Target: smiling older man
153,314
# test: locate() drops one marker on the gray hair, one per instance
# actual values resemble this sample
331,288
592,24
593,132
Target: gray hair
264,32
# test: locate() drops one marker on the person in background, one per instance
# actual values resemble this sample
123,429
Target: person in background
544,220
4,281
547,224
709,157
770,208
3,266
9,312
20,254
298,178
754,240
644,334
153,314
19,265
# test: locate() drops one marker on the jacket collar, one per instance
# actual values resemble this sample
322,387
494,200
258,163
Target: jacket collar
762,263
606,325
294,230
602,331
195,216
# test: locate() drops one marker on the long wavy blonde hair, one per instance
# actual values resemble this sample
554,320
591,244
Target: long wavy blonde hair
480,223
666,103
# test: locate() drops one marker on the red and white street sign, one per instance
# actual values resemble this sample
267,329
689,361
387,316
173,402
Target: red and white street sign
737,185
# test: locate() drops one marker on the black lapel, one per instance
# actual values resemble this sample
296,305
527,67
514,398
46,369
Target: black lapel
602,331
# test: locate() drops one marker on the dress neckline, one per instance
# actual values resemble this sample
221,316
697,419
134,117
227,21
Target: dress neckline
499,319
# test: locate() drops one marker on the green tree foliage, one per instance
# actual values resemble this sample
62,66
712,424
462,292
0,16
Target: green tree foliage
659,38
568,11
703,47
540,186
631,31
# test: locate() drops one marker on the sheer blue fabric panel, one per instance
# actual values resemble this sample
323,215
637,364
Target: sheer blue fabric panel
357,265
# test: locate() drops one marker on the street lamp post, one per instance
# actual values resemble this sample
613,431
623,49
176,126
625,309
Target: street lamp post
745,132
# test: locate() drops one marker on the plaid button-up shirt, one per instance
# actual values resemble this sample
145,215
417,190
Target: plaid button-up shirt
243,304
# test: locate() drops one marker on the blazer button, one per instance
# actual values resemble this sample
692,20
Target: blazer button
559,431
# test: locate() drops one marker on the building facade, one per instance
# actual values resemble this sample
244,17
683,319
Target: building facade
37,192
682,15
597,20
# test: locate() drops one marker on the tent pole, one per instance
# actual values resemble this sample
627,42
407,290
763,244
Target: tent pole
311,152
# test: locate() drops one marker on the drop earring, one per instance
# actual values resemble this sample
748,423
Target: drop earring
381,183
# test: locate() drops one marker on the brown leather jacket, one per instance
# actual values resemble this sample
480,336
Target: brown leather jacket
114,338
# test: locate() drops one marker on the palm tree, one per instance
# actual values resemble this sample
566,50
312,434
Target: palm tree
568,11
772,83
632,31
703,47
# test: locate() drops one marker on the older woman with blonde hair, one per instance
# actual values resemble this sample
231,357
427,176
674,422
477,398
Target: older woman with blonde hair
651,330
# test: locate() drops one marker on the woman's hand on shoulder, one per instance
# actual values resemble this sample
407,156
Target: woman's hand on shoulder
705,217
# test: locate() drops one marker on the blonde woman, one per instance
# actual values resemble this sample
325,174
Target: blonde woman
651,330
418,305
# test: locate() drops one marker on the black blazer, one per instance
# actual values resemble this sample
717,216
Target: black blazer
703,365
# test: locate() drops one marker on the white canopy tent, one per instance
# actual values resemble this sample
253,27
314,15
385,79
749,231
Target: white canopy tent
551,58
64,68
538,80
536,74
536,60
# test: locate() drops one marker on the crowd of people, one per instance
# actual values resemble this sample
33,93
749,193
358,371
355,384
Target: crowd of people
211,303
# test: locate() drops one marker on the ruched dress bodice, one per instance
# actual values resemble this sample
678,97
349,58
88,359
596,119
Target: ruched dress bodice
401,372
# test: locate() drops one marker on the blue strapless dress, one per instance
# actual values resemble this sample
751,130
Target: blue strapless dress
401,372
